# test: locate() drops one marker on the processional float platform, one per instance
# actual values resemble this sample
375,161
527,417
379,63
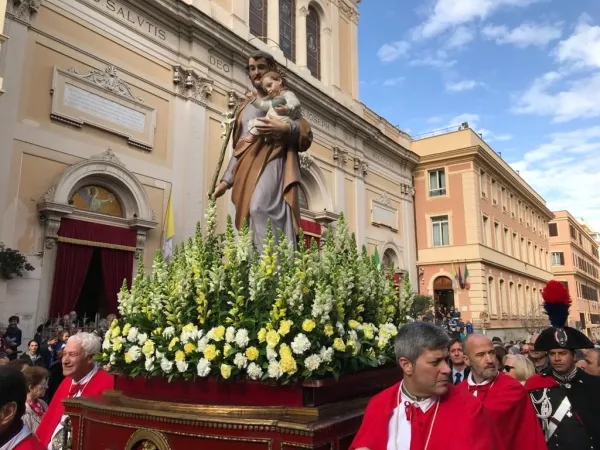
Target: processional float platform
152,414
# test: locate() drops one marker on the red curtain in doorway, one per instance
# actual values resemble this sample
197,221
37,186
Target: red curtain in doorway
117,265
312,231
77,240
72,264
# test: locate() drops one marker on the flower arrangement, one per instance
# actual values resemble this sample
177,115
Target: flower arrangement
220,310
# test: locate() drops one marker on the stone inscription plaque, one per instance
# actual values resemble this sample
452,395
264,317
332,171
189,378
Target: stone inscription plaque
103,108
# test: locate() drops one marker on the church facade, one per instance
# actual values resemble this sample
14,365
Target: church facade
111,109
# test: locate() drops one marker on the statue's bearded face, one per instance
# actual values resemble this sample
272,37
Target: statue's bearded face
256,69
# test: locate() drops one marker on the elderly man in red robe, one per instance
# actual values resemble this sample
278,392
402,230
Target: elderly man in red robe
14,435
423,411
83,379
503,397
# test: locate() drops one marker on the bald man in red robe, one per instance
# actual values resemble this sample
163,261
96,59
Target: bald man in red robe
503,397
423,412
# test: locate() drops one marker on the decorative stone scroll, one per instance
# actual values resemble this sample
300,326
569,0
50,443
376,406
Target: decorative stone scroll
306,161
189,84
23,10
340,156
102,100
361,167
347,10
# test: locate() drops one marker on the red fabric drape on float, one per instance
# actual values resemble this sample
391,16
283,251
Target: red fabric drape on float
76,242
117,265
312,231
72,264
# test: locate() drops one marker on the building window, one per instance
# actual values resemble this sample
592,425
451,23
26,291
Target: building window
302,199
513,206
437,183
519,300
287,28
520,211
494,192
502,298
507,242
515,239
572,232
512,299
483,181
497,237
558,259
487,233
440,231
313,42
553,229
258,18
504,200
523,250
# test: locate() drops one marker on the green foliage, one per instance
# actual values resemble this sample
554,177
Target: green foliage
13,263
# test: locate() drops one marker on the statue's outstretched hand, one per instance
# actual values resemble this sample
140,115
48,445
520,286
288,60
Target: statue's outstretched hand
219,190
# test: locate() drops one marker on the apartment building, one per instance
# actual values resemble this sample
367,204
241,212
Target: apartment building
575,262
482,234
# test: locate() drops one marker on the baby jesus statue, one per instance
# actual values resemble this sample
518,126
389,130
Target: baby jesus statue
278,97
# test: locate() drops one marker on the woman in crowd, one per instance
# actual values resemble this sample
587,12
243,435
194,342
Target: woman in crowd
37,383
33,356
62,341
518,367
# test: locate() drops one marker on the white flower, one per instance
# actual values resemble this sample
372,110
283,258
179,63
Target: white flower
210,334
166,365
271,354
149,364
241,338
202,343
274,370
106,345
352,334
112,358
169,332
230,334
340,328
381,359
142,338
312,362
203,367
254,371
300,344
182,366
132,335
134,352
159,355
240,361
326,354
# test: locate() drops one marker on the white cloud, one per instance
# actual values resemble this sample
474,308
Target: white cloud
393,81
573,158
392,51
462,86
473,121
446,14
460,37
434,119
525,35
439,60
582,48
579,99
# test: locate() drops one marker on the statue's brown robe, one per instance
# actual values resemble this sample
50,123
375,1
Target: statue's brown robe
252,159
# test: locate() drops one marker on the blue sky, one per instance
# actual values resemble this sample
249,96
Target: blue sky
525,73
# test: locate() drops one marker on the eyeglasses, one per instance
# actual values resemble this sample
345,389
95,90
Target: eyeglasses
508,368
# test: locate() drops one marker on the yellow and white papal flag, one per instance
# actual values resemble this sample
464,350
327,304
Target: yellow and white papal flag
168,231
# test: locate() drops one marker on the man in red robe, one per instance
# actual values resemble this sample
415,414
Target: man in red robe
503,397
83,379
423,411
14,435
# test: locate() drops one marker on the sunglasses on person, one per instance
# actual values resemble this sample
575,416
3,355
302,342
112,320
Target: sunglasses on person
508,368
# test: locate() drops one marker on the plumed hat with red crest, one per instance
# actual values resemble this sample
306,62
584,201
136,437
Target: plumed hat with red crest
556,304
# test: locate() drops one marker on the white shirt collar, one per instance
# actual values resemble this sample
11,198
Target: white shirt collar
472,382
88,377
424,404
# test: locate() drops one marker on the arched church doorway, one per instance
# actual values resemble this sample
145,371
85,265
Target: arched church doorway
443,293
93,258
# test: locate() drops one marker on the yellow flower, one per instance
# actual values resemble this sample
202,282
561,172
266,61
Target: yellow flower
328,330
219,333
338,344
288,365
225,371
210,352
368,331
285,351
252,353
285,326
114,324
189,348
188,328
354,345
262,335
353,324
117,345
308,325
126,329
157,332
272,338
226,349
115,331
148,348
173,343
128,359
179,355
